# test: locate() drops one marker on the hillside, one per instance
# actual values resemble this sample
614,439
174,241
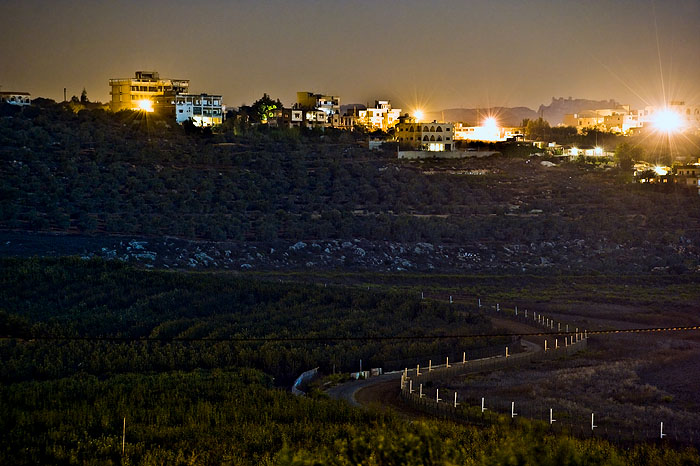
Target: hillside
101,181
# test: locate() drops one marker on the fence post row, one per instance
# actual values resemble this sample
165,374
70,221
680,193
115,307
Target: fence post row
571,345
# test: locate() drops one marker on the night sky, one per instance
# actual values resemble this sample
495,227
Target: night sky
432,54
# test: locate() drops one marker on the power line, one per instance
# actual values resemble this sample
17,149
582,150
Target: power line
339,339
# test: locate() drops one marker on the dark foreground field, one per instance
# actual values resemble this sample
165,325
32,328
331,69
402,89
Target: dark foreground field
94,342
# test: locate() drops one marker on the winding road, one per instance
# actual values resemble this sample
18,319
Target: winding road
383,391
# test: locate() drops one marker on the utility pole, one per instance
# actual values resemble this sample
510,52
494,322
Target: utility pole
124,437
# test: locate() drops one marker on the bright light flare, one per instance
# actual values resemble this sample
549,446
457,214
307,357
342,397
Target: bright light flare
490,124
145,105
661,171
598,151
668,121
418,115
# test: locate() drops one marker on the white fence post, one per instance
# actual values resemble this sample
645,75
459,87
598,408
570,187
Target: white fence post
512,410
455,405
483,408
447,362
464,357
430,365
420,391
593,426
661,432
417,370
437,395
551,417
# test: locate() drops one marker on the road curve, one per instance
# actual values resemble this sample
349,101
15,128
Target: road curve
348,390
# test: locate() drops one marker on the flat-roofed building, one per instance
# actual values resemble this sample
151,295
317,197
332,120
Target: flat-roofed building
328,104
16,98
202,109
381,116
146,91
435,136
302,118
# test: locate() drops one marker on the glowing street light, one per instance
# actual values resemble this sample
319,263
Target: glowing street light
598,151
490,124
668,121
418,115
661,171
145,105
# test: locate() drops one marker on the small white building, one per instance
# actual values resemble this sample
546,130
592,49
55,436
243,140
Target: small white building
16,98
202,109
382,116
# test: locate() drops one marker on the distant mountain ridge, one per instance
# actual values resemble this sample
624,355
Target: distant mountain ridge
506,116
555,111
513,116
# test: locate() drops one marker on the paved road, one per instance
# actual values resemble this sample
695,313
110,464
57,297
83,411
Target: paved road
348,390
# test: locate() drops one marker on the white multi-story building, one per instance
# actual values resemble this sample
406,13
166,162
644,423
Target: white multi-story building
16,98
381,117
202,109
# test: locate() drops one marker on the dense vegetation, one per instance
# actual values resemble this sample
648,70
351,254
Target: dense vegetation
95,171
235,417
75,299
198,402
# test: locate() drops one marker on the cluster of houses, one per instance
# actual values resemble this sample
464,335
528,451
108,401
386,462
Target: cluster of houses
685,175
147,91
624,120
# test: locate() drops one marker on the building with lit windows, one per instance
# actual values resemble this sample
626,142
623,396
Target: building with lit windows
328,104
488,132
16,98
617,120
202,109
146,91
677,113
381,116
434,136
302,118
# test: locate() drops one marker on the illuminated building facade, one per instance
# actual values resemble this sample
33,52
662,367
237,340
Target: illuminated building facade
381,117
688,115
435,136
616,120
146,91
329,104
202,109
16,98
489,132
302,118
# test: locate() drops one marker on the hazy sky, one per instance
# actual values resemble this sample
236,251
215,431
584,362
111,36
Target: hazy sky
433,54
